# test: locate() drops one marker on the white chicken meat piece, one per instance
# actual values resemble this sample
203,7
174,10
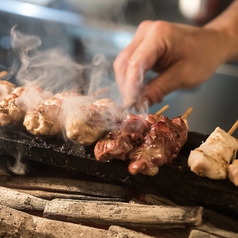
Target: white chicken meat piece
6,88
233,172
92,120
14,106
45,118
10,113
211,159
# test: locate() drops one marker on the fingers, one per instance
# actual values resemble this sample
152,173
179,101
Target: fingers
170,80
130,81
120,64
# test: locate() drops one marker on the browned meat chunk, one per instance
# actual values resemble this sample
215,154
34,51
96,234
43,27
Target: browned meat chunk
10,113
162,142
6,88
90,122
122,139
45,119
14,106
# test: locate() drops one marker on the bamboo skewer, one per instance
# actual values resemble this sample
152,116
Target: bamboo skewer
162,110
187,113
233,128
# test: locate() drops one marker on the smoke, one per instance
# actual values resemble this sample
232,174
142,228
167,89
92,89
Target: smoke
50,69
55,71
19,167
16,166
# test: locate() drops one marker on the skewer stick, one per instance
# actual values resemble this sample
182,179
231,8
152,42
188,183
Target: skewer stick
233,128
163,109
3,74
187,113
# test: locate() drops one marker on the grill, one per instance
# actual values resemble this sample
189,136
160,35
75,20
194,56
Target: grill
67,188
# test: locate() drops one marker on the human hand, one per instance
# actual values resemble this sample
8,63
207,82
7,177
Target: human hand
183,56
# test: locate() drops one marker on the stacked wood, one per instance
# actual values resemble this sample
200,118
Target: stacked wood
201,234
32,226
159,200
64,185
207,231
122,232
52,195
20,201
125,214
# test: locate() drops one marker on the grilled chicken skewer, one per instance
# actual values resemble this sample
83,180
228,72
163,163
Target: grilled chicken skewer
45,119
161,144
125,136
6,88
90,122
10,113
212,158
14,106
147,143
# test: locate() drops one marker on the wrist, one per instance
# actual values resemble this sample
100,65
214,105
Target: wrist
225,26
226,43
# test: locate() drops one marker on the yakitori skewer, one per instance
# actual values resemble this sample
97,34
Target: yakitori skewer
212,158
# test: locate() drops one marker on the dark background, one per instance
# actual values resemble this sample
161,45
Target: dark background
82,37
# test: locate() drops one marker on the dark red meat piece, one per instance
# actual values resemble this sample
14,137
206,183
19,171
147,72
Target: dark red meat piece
161,144
122,139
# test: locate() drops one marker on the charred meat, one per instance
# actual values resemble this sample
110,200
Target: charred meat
161,144
122,139
147,143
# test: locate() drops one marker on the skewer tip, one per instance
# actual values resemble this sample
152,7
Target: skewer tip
187,113
233,128
163,109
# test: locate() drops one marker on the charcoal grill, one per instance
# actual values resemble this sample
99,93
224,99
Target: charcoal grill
176,180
